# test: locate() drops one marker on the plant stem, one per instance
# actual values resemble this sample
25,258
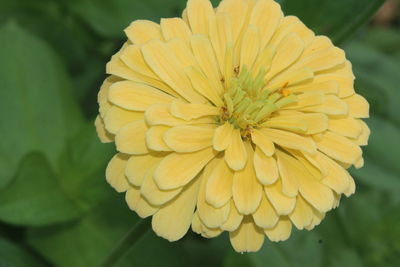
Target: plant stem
126,242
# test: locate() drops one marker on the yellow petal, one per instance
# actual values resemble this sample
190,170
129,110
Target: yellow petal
203,86
138,204
352,187
293,124
192,111
282,203
159,114
287,52
348,127
219,184
198,12
223,136
281,230
315,122
212,217
290,140
337,177
102,133
265,216
116,118
173,220
152,193
330,87
115,173
289,170
175,28
199,227
131,139
246,190
136,96
362,139
316,193
235,154
204,54
138,165
133,58
319,43
248,237
292,24
237,10
234,219
220,32
290,78
323,59
263,142
182,52
162,61
358,106
155,138
316,219
302,214
266,15
338,147
176,170
250,48
189,138
265,167
102,96
307,99
142,31
332,106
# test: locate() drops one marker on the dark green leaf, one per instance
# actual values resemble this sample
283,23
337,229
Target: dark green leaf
12,255
37,111
34,197
336,19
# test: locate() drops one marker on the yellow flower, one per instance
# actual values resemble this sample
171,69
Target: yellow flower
233,119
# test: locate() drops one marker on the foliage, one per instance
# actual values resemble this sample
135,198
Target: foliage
55,206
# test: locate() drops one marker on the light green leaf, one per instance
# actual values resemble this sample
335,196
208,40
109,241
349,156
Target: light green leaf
38,112
12,255
337,19
35,197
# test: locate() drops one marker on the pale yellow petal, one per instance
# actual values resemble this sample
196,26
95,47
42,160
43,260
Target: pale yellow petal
352,187
263,142
220,32
176,170
246,190
234,219
115,172
102,133
199,11
322,60
142,31
104,104
289,170
182,52
235,154
162,61
138,165
223,136
348,127
133,58
331,106
188,112
314,122
290,78
358,106
265,167
219,184
292,24
138,204
116,118
266,15
173,220
290,140
337,177
362,139
338,147
155,138
293,124
281,230
282,203
175,28
131,138
204,54
237,10
248,237
189,138
250,48
265,216
330,87
316,219
136,96
302,215
264,60
152,193
306,100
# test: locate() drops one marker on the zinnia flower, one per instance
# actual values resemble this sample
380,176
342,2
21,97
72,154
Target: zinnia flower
233,119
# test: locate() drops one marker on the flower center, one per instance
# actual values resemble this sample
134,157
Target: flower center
248,102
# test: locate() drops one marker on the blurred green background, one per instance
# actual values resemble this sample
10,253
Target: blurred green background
55,206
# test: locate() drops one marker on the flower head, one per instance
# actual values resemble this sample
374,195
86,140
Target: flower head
231,119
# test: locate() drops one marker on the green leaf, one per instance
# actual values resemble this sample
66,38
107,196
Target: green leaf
96,234
34,197
38,110
337,19
110,18
16,256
